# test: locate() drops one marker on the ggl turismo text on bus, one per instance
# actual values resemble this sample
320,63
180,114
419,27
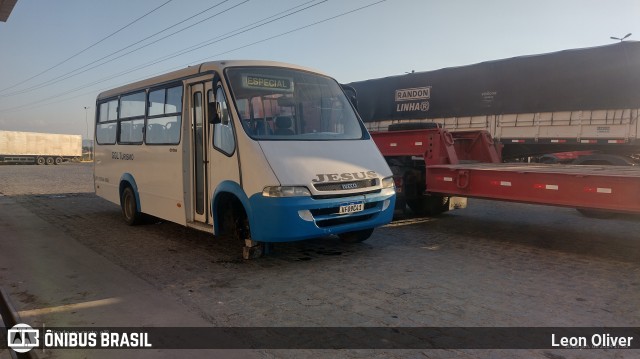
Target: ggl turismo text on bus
263,151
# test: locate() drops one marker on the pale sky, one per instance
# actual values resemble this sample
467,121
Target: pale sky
388,38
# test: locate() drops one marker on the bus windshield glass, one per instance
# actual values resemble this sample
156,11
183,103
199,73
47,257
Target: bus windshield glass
286,104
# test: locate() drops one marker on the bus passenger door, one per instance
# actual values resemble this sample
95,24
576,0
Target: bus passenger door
224,166
199,159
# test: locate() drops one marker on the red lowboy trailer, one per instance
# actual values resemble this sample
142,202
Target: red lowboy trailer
432,166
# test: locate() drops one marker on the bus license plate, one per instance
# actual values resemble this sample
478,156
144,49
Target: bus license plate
351,207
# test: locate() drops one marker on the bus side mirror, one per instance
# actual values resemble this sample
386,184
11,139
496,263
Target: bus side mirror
212,110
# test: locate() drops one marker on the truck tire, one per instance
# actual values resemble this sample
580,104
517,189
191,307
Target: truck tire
50,161
130,210
41,161
58,160
607,160
356,236
428,205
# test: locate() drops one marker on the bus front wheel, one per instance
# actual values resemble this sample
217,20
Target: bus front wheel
130,210
236,225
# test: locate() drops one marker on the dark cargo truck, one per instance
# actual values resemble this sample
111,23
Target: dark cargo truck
572,100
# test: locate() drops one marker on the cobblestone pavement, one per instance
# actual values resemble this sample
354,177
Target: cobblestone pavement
492,264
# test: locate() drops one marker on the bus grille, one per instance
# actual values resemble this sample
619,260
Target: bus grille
344,186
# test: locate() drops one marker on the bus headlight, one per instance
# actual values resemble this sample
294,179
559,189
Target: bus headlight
388,182
388,186
285,191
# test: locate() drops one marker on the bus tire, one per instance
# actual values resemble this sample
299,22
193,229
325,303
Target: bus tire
356,236
41,161
130,210
236,226
58,160
50,161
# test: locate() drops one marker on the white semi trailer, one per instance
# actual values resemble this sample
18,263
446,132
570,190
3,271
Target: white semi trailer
38,148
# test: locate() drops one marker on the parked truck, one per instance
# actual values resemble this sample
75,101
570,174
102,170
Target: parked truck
38,148
449,133
572,100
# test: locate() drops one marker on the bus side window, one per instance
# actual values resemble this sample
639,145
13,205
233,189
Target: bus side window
164,116
131,117
223,132
106,126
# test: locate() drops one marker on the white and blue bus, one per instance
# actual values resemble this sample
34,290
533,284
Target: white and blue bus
263,151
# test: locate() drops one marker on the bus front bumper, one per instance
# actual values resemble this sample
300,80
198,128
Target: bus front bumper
298,218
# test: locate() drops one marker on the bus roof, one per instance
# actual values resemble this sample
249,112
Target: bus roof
194,71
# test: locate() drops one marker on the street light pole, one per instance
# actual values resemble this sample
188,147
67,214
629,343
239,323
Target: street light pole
86,121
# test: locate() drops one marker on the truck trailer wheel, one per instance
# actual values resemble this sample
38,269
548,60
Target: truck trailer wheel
41,161
603,159
58,160
428,205
50,161
130,210
356,236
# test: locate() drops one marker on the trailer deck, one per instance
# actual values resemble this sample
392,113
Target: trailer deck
612,188
469,164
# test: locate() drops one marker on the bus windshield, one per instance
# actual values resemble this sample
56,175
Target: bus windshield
286,104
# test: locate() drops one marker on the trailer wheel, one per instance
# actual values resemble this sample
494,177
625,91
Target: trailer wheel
356,236
50,161
41,161
130,210
603,159
428,205
58,160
